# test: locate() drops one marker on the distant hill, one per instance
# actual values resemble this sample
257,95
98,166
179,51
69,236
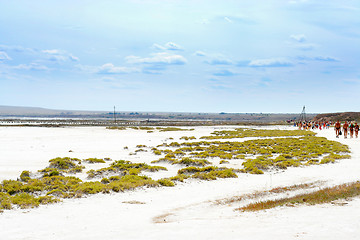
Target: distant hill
34,112
8,111
341,116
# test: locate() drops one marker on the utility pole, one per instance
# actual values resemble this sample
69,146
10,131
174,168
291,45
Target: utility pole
114,116
303,115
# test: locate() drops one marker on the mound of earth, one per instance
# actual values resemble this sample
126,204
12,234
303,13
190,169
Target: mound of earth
341,116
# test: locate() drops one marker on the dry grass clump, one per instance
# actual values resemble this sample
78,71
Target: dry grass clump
294,187
258,194
325,195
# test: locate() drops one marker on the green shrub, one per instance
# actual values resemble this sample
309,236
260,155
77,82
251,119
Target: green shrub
117,128
213,175
190,170
64,163
25,176
166,182
47,199
11,186
192,162
94,160
25,200
105,181
224,161
170,129
91,188
114,178
129,182
76,169
179,177
5,202
157,152
33,185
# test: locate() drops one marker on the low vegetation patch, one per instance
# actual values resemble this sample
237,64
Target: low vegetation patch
59,166
116,128
288,149
166,182
248,132
122,168
51,185
208,173
262,194
151,129
261,154
172,129
184,161
327,195
94,160
187,138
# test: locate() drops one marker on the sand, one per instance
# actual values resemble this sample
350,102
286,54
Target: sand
184,211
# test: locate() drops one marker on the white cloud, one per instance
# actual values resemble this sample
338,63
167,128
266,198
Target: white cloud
224,73
319,58
219,60
298,38
298,1
17,49
236,19
73,58
306,46
107,68
228,20
31,66
173,46
204,21
200,54
158,58
52,51
327,59
352,81
168,46
112,69
158,47
57,55
271,62
4,56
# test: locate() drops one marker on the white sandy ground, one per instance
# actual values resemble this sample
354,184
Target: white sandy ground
185,211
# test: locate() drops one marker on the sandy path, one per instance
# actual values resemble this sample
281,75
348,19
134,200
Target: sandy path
107,217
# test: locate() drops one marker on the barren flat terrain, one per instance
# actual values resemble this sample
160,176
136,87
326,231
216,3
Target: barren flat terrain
194,208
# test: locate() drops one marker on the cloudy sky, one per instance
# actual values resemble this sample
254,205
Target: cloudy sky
181,55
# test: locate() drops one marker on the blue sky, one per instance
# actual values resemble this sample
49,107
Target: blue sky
181,56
